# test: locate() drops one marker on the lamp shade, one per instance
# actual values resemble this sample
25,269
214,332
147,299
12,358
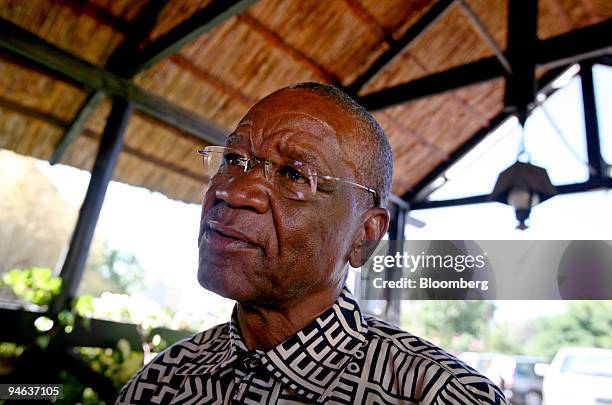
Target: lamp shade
523,185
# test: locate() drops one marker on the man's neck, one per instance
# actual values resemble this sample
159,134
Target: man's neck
264,328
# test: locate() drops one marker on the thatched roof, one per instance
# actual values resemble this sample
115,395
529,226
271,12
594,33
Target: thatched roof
271,44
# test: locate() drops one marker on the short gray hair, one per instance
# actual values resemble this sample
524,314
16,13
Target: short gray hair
375,157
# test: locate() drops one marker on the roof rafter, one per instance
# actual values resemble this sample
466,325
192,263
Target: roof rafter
135,34
202,21
40,53
521,52
46,117
396,47
464,75
412,196
561,50
128,60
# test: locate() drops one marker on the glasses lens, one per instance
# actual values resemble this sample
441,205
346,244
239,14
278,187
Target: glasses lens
217,159
295,180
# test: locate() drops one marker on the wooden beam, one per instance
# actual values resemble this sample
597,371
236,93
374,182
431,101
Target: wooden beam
202,21
134,36
413,196
124,63
521,52
486,198
40,53
45,117
418,28
76,126
578,45
101,174
605,60
464,75
591,122
584,43
137,34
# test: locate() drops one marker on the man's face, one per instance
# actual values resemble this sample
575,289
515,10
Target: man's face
258,247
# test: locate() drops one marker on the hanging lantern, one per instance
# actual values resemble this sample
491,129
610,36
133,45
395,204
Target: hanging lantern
522,186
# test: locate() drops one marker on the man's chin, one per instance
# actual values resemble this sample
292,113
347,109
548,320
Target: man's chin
219,282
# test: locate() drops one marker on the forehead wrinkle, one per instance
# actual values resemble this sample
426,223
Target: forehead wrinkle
307,151
266,123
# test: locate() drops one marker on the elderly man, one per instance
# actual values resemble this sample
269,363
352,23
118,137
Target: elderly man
298,187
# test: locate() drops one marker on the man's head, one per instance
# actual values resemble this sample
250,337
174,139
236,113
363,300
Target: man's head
256,245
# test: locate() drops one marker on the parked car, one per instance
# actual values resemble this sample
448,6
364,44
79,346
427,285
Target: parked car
579,376
515,375
527,380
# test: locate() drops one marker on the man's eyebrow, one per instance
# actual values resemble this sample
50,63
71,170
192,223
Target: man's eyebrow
301,154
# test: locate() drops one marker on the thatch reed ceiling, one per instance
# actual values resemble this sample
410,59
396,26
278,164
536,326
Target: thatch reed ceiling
270,44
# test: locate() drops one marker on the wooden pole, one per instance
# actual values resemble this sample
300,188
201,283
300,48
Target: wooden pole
108,152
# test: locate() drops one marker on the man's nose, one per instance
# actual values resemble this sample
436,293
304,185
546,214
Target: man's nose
246,190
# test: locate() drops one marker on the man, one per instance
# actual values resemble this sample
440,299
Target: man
301,183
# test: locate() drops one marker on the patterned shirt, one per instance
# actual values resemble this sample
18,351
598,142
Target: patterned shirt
341,357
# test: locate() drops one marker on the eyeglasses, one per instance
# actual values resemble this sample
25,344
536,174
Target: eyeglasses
290,179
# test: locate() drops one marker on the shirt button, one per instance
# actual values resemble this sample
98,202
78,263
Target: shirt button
251,363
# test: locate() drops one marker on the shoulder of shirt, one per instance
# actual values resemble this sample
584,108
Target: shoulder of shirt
190,347
204,339
459,372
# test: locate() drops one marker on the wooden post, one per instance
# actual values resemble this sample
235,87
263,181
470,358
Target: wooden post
591,124
108,152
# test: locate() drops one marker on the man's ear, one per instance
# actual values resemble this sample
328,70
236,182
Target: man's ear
374,225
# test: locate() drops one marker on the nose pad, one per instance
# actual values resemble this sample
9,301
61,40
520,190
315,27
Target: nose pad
265,165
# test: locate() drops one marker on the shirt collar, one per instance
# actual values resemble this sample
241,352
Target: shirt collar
309,362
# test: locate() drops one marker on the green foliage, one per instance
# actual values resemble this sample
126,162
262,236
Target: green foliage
118,365
503,338
36,285
586,323
455,325
77,393
39,286
113,271
8,352
467,325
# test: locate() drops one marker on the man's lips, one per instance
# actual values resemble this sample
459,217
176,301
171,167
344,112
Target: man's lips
228,232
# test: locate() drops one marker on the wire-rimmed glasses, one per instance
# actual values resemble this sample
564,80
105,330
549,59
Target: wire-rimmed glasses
292,179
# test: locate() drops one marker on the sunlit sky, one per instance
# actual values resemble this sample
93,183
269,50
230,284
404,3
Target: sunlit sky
162,233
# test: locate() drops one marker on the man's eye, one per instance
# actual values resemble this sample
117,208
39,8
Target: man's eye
233,159
293,175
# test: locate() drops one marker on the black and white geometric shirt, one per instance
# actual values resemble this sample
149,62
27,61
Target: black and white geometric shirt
341,357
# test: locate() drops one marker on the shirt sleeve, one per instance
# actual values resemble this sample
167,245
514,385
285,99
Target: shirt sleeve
469,389
155,383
